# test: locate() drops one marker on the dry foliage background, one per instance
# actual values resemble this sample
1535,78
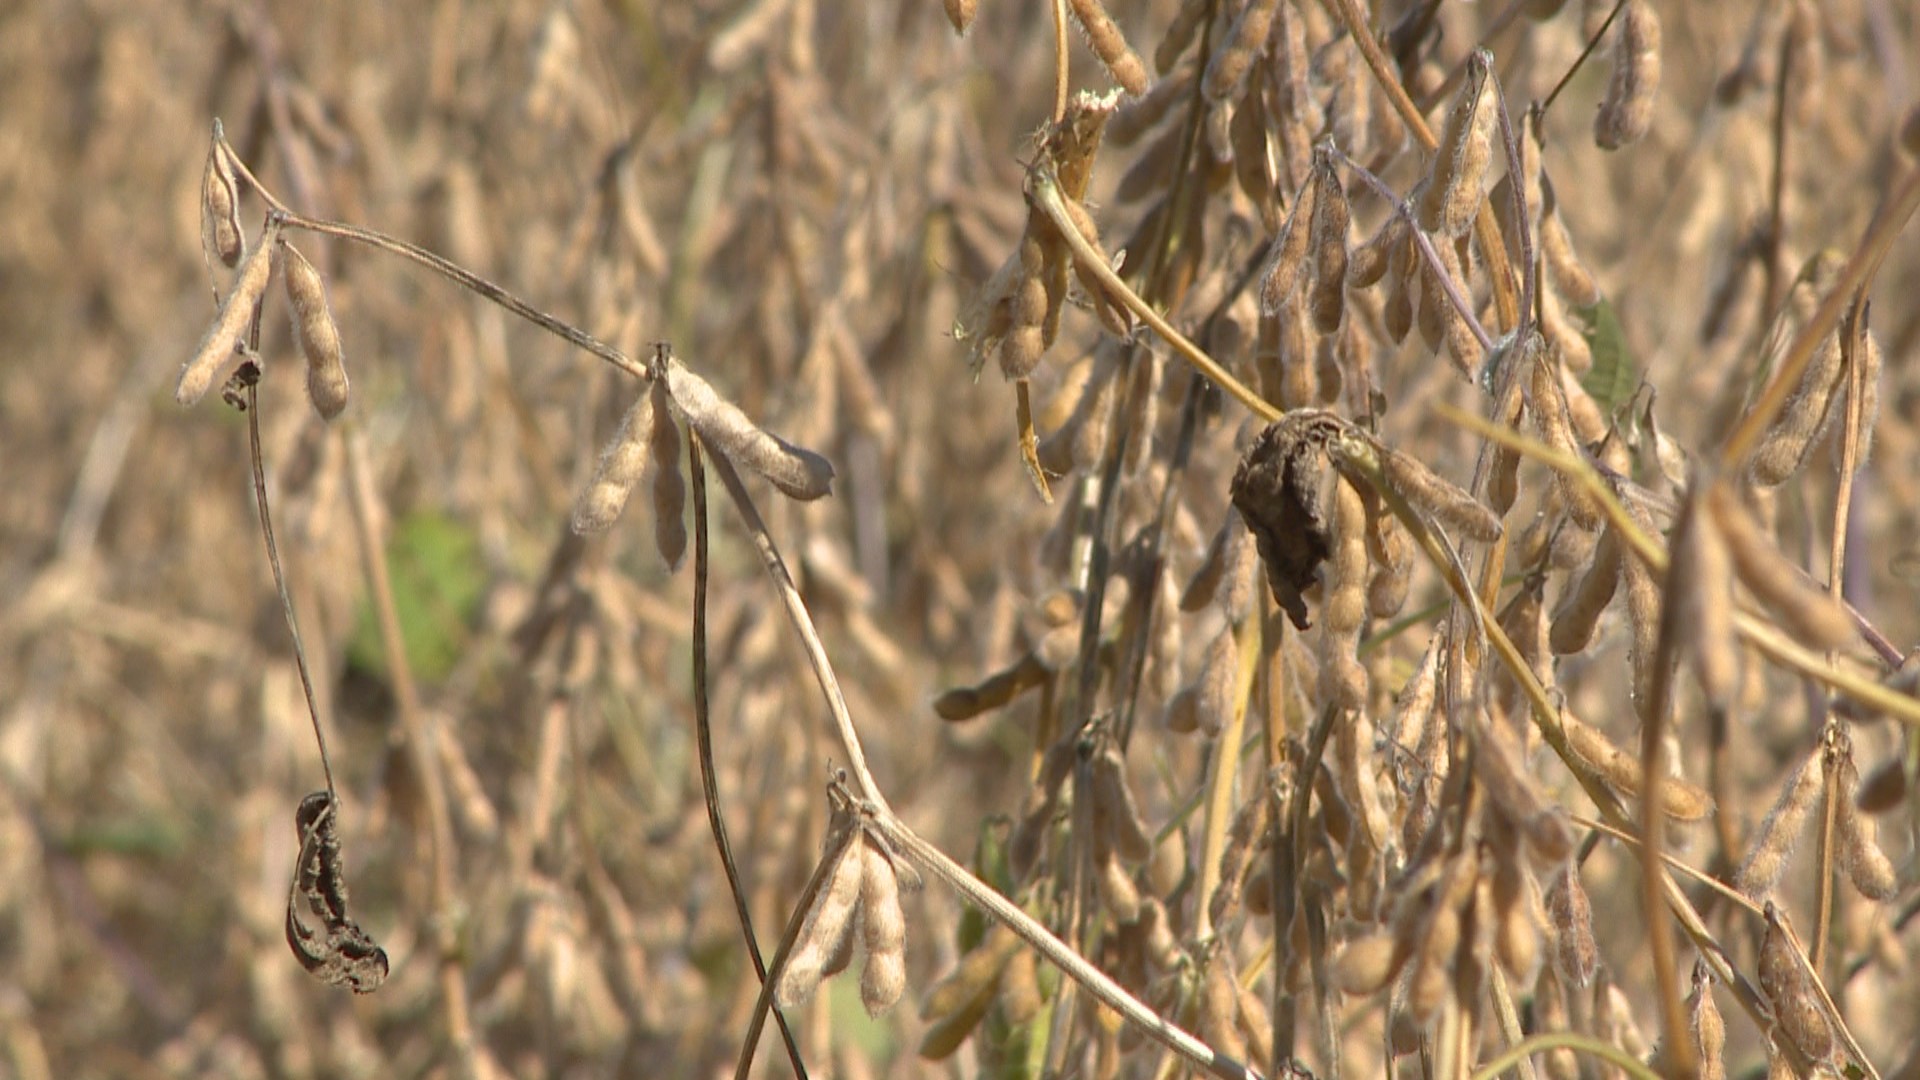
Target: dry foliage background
804,197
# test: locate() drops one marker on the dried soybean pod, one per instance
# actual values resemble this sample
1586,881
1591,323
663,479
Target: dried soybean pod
1860,855
1806,611
1392,553
1234,57
1708,1026
1328,240
1700,598
314,330
216,352
1581,607
1796,1009
1110,45
1128,830
620,466
1626,112
1344,604
1575,954
220,231
1180,33
1503,471
1452,196
1784,449
669,486
883,929
1772,843
960,13
1679,799
1368,263
1547,403
724,429
1396,315
1643,616
825,922
1215,682
1570,278
1446,501
1206,579
1289,252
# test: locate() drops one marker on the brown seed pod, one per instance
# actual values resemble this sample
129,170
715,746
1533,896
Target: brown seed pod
1564,339
977,975
1369,262
337,952
1708,1027
833,908
1235,54
1884,789
1581,606
1110,45
1396,314
314,330
1114,798
1392,553
1180,33
1327,240
960,13
1700,598
1020,996
216,353
1643,617
1446,501
996,690
1289,252
1858,845
669,486
1437,950
1626,112
1118,893
1503,470
1783,979
1454,187
883,929
220,233
1219,1005
1547,404
1571,279
1681,800
1250,145
1807,414
1214,702
1344,603
1809,613
1365,965
1772,843
1501,767
1575,954
724,429
620,466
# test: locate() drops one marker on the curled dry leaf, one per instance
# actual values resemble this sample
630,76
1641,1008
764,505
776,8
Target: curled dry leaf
337,951
1279,489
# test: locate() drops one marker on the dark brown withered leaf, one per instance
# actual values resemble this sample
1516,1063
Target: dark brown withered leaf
1279,490
337,951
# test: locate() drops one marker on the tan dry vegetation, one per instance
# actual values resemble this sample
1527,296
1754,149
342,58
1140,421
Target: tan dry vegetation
1299,804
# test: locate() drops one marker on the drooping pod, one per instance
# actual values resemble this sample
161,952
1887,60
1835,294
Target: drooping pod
220,231
798,472
669,485
619,468
1453,190
314,330
216,351
1626,112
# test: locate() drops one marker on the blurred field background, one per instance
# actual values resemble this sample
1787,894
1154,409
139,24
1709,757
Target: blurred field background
801,195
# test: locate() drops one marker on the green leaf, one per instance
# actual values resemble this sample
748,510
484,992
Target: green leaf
1614,376
433,562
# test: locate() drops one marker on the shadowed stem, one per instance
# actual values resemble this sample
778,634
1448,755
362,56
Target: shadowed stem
703,733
